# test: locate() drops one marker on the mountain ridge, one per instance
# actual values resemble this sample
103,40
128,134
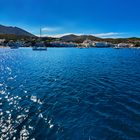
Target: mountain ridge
78,38
10,30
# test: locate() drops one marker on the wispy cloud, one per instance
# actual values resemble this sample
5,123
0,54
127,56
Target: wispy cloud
102,35
60,35
50,29
107,35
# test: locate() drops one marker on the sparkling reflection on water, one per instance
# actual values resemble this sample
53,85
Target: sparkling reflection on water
70,94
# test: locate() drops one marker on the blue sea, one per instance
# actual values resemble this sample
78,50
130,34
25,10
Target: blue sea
70,94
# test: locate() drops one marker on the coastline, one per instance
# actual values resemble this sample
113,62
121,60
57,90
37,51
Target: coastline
1,47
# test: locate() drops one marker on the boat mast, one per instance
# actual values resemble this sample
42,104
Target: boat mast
40,34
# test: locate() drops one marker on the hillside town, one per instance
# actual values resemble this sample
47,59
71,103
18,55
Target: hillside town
85,44
17,37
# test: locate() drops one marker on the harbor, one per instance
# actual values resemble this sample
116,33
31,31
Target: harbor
69,70
40,44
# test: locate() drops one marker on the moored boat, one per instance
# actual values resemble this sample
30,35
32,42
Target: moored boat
39,46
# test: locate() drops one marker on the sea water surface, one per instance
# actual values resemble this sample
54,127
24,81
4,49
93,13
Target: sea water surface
70,94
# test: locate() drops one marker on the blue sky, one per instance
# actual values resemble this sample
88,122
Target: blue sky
103,18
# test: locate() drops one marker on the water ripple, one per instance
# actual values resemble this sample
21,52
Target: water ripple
68,94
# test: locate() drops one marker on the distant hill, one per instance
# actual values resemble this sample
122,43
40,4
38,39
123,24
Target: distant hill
78,39
8,30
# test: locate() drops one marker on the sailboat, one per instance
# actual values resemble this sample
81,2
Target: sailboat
39,46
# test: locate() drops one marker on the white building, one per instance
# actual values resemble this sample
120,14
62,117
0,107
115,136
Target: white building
88,43
103,44
124,45
2,41
63,44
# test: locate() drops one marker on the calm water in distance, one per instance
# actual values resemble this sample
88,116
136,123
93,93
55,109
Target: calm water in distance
70,94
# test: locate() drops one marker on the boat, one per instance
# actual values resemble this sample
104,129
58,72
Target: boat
39,46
